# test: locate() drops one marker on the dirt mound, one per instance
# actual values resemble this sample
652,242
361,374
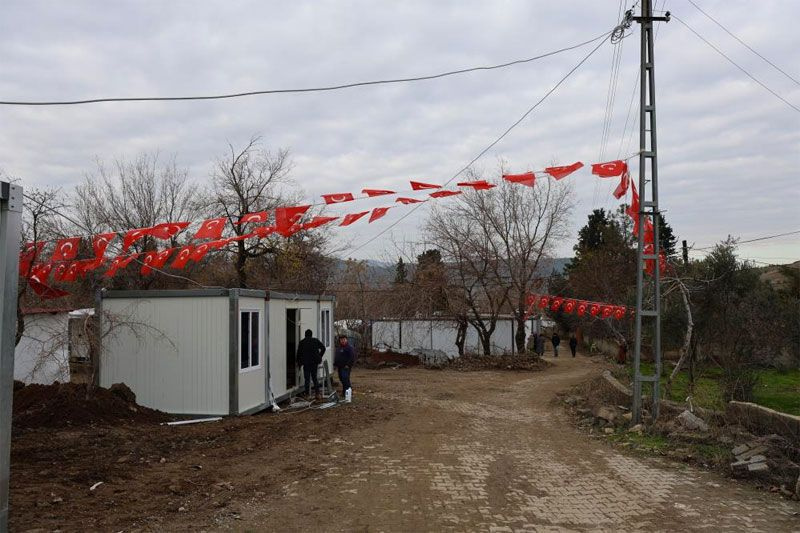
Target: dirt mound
469,363
73,404
376,360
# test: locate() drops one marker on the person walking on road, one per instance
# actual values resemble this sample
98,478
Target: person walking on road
573,344
540,344
556,340
343,362
309,352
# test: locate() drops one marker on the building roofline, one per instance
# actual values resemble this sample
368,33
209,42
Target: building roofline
221,292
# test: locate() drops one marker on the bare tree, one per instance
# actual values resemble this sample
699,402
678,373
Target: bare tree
248,180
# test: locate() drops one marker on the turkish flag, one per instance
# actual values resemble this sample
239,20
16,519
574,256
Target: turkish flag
530,299
338,198
100,242
318,221
610,169
167,230
132,236
352,217
260,216
43,291
543,301
183,257
119,262
377,213
92,264
582,307
264,231
242,237
291,230
155,259
562,172
418,186
28,255
622,188
376,192
406,201
607,311
569,306
59,270
443,194
200,251
480,185
633,209
594,309
555,303
72,272
211,228
66,249
286,217
41,271
619,312
528,179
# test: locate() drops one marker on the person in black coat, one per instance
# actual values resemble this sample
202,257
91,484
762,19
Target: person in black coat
343,361
556,340
573,344
309,354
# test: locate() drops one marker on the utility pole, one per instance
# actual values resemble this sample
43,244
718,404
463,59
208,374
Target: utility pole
648,209
685,247
10,226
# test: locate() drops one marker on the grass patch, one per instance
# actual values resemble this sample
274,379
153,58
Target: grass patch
779,390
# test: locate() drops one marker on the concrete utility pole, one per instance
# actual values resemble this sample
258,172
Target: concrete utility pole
10,226
648,208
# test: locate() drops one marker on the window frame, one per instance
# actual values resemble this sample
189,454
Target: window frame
250,313
325,327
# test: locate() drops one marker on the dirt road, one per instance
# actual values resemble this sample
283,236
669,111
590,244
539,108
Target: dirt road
420,450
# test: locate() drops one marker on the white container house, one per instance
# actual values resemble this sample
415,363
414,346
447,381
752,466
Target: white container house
208,351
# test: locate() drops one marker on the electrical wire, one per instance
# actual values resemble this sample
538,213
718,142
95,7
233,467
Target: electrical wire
735,64
300,90
764,238
715,21
493,143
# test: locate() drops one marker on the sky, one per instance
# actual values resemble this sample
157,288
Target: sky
728,149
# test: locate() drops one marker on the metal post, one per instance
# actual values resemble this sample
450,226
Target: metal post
10,232
648,209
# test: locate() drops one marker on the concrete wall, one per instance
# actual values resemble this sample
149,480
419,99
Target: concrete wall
763,420
177,359
441,335
41,355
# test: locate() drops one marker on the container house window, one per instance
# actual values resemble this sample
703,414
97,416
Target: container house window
325,327
249,346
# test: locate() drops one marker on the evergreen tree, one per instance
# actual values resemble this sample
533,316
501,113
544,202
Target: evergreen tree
400,275
666,238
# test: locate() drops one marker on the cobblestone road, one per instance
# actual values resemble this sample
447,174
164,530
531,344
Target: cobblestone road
492,452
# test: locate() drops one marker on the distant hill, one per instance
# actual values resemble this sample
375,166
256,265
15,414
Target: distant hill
782,277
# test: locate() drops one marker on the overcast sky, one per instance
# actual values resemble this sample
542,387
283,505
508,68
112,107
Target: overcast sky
729,151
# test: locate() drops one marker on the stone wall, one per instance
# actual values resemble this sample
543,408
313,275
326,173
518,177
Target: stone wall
763,420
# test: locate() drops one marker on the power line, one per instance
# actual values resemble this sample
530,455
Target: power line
764,238
495,142
715,21
299,90
735,64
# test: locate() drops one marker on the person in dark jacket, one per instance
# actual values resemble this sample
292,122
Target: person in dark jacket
556,340
573,344
309,354
540,340
343,362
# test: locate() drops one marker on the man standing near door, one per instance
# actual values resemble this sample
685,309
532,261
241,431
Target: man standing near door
343,361
309,354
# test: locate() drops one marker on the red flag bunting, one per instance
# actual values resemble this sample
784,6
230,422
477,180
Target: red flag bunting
562,172
200,251
619,312
622,188
43,291
606,311
528,179
260,216
352,217
66,249
100,242
406,201
167,230
211,228
28,255
418,186
530,299
555,303
376,192
155,259
133,235
582,307
286,217
610,169
318,221
183,257
118,263
41,271
569,306
443,194
264,231
338,198
480,185
594,309
378,212
543,301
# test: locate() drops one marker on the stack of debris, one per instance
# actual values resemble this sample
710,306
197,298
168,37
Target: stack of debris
750,458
